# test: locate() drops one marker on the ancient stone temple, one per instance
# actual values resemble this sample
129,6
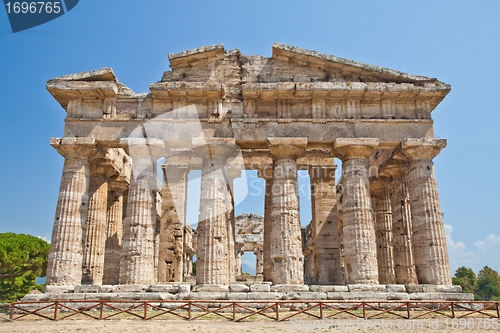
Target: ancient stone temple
223,112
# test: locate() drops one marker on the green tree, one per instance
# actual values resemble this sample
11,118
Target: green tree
466,278
488,284
23,258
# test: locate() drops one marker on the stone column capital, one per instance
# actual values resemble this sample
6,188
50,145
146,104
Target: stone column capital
118,186
419,149
287,147
80,148
379,185
139,147
345,149
394,168
175,170
214,147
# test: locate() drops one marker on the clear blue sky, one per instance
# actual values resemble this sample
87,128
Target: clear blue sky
455,41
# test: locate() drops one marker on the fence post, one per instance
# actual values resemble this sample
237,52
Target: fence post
408,310
145,310
234,311
12,311
453,309
277,312
55,310
321,310
189,315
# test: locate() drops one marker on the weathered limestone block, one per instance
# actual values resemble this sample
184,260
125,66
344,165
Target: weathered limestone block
288,288
312,296
447,289
349,296
237,295
106,288
239,288
210,288
163,288
171,237
366,288
59,289
393,296
64,265
381,201
429,242
436,296
132,288
90,288
261,296
396,288
358,228
137,265
401,222
199,296
212,262
260,288
327,289
286,246
326,243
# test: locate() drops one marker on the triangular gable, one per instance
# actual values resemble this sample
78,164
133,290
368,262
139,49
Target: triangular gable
345,67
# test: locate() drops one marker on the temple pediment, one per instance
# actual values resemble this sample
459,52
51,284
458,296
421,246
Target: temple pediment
293,84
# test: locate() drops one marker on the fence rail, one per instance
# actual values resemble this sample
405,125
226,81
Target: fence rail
241,310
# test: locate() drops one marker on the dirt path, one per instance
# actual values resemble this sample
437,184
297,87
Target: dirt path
172,326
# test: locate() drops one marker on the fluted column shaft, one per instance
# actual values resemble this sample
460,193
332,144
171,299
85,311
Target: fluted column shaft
137,265
381,201
429,241
237,270
213,221
231,223
64,265
286,244
324,225
358,228
95,231
267,175
171,241
402,231
259,266
114,233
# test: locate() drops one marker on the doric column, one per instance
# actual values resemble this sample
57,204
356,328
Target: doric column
401,222
381,201
429,242
324,225
95,229
64,265
309,266
259,266
237,269
233,172
171,240
137,265
213,261
114,233
267,174
358,227
286,244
